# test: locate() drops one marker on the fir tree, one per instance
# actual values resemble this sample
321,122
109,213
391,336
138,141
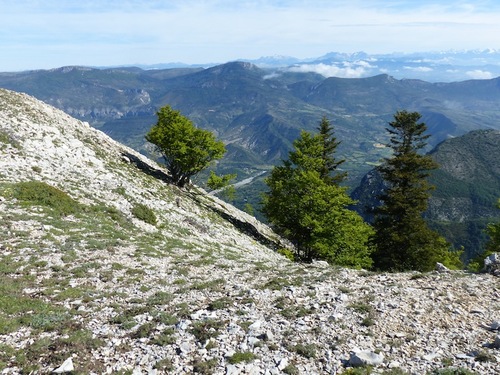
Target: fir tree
402,239
305,205
329,171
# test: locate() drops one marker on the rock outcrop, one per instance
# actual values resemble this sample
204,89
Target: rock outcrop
96,289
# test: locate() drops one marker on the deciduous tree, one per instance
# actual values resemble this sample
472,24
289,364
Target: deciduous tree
187,150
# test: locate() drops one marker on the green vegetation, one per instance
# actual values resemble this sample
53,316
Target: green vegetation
144,213
493,231
206,329
305,350
306,205
239,357
402,239
186,149
222,186
42,194
452,371
205,367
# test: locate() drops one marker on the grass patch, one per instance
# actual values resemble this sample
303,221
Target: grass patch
206,329
305,350
205,367
220,303
239,357
41,194
144,213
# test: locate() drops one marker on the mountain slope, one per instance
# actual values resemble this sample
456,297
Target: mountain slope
90,280
467,188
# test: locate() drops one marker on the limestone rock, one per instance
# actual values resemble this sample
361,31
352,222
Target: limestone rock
365,358
492,264
67,366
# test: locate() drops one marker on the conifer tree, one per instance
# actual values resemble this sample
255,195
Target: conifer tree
329,147
402,239
305,205
493,231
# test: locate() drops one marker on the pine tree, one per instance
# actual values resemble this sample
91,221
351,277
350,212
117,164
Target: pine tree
402,239
307,207
330,172
493,231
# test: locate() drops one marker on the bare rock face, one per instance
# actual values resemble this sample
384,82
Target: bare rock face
365,358
200,289
492,264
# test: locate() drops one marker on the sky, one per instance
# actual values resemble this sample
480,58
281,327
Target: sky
45,34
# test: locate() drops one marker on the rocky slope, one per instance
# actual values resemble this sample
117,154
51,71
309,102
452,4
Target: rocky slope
92,283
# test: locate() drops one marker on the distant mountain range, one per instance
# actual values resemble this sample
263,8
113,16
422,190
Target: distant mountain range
438,66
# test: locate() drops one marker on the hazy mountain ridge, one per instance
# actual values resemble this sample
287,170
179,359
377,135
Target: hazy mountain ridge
102,291
434,66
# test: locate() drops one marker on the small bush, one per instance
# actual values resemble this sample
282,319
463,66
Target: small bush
484,356
241,357
287,253
145,330
305,350
206,329
40,193
144,213
291,370
453,371
205,367
220,303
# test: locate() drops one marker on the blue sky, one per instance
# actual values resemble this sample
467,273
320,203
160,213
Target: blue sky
42,34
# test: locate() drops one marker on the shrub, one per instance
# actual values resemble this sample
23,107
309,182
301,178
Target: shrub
206,329
42,194
305,350
287,253
144,213
241,357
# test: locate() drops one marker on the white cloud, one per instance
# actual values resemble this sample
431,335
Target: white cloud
479,74
333,70
422,69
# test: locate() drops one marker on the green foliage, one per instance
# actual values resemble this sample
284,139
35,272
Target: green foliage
329,170
186,149
144,213
206,329
305,350
205,367
452,371
216,182
239,357
287,253
40,193
493,231
306,205
403,241
222,186
291,370
248,208
492,246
